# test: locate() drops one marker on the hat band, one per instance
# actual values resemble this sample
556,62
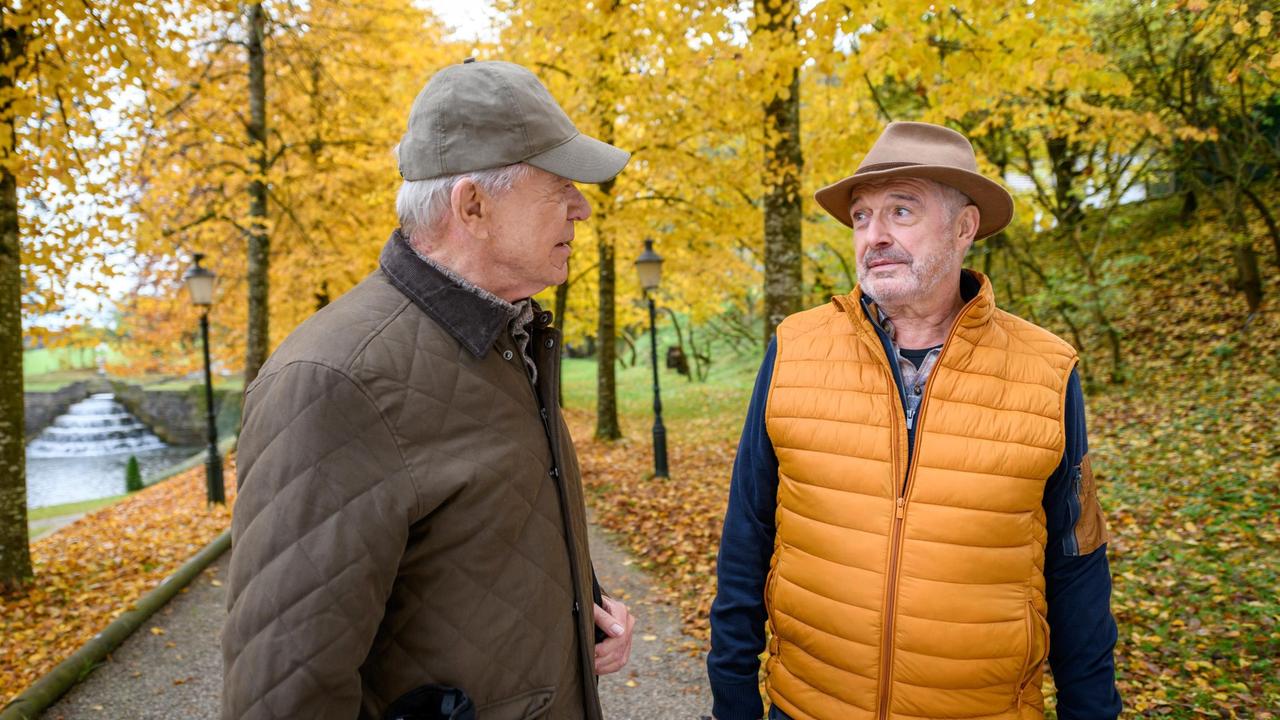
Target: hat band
877,167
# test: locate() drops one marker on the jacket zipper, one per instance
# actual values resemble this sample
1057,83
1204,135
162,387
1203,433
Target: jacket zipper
901,493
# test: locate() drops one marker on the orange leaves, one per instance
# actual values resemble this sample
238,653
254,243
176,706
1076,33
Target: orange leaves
89,572
671,525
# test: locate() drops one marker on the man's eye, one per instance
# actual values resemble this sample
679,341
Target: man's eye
901,211
859,216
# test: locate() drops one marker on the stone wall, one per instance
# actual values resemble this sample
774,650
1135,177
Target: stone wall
178,416
41,408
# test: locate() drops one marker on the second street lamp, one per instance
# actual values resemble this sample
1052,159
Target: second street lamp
649,267
200,284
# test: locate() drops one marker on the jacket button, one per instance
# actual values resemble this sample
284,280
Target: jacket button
550,343
917,389
507,354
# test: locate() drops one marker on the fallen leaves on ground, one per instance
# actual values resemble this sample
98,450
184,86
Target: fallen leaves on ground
96,568
672,525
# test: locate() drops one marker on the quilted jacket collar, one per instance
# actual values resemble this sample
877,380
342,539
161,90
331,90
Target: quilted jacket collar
472,320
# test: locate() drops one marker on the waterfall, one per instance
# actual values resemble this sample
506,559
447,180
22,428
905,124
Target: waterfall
95,427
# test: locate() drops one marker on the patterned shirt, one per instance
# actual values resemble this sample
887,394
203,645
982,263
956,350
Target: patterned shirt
913,378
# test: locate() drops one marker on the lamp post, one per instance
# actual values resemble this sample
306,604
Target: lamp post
200,284
649,267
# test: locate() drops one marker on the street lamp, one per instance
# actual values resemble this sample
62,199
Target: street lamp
649,266
200,284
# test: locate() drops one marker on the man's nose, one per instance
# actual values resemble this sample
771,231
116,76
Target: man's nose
876,232
579,207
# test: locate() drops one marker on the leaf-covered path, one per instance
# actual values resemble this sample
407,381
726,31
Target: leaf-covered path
171,668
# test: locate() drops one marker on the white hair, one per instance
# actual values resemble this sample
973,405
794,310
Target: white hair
422,205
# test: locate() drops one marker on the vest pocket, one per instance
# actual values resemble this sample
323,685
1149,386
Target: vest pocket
1037,651
525,706
770,580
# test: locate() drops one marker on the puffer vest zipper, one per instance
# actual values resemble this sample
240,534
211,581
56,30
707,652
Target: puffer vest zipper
912,588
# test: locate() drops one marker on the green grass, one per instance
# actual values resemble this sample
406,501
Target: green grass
84,506
43,361
234,382
51,381
721,400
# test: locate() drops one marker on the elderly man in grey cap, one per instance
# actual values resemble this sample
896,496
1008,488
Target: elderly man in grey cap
410,539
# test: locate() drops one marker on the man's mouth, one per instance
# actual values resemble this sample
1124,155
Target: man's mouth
881,262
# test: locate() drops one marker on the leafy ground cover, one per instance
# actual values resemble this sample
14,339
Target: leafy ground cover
94,569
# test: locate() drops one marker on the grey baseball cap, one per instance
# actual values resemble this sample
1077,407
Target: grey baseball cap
481,115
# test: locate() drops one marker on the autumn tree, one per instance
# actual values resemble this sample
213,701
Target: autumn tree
775,39
259,243
15,562
629,74
68,73
1208,70
288,188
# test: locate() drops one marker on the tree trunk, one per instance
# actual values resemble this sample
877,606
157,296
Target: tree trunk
631,349
1248,279
1069,210
259,251
607,427
15,556
1272,228
783,160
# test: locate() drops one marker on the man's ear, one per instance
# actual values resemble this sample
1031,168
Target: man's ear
470,207
967,225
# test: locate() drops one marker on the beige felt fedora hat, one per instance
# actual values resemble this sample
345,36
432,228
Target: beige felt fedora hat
931,152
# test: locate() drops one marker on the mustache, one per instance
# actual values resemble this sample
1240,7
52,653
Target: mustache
889,255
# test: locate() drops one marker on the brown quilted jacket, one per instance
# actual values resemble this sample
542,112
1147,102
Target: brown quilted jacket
410,512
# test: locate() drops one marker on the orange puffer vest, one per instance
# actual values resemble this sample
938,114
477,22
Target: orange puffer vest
925,601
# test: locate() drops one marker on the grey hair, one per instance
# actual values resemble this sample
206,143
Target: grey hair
421,205
953,199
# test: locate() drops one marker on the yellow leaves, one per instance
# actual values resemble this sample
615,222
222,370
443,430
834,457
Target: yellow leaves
89,572
1195,134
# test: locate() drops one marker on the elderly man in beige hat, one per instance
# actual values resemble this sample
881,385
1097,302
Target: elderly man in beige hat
410,539
912,511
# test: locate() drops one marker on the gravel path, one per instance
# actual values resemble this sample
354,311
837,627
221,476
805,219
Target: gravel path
662,680
171,668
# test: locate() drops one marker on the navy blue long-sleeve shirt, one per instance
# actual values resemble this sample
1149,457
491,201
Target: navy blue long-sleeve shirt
1078,587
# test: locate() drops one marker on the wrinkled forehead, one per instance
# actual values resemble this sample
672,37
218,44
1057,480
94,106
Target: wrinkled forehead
901,188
